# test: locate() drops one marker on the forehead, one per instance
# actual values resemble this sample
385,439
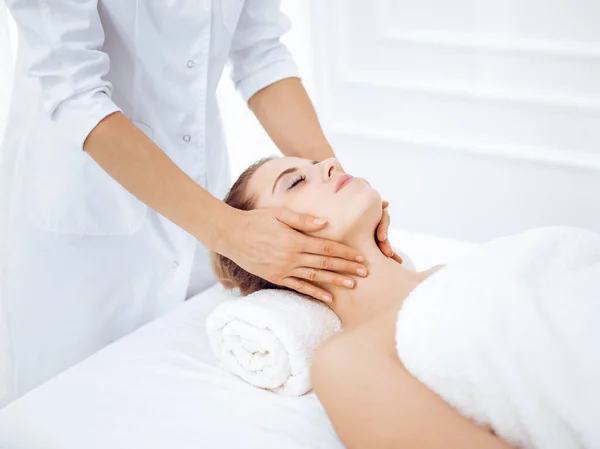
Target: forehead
261,182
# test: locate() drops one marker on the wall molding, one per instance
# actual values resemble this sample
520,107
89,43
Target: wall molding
523,153
554,48
372,78
384,33
538,47
350,77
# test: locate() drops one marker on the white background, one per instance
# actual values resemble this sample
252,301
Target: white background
474,118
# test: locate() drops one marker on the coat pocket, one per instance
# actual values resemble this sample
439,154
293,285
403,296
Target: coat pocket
66,191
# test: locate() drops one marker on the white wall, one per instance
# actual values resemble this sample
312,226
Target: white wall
473,118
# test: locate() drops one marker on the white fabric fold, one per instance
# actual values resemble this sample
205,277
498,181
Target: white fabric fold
268,338
509,336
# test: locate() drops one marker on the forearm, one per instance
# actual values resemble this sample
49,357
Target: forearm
286,113
140,166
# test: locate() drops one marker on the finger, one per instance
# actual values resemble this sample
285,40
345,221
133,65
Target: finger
397,258
332,264
301,222
384,204
325,247
324,277
383,226
307,289
386,248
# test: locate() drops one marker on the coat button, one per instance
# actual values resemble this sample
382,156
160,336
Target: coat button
186,138
190,64
175,264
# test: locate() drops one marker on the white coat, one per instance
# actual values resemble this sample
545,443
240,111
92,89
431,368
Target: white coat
82,261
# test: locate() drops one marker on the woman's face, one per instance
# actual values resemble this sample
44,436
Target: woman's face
321,189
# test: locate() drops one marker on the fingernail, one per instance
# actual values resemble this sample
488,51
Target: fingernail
319,221
361,272
360,259
384,238
348,283
327,298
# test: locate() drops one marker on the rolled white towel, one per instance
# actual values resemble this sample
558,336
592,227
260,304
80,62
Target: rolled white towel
269,337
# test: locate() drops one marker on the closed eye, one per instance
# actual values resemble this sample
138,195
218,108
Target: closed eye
287,171
296,181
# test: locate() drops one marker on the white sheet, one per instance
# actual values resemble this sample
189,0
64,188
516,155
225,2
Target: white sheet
162,387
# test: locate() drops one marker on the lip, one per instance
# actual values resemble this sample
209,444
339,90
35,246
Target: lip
343,181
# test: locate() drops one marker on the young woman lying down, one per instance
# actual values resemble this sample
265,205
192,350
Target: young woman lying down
496,350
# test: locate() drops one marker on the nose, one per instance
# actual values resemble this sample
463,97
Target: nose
329,167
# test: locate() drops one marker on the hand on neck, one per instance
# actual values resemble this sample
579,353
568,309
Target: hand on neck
387,284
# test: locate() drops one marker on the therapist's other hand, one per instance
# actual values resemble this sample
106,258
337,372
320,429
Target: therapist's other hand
266,243
381,234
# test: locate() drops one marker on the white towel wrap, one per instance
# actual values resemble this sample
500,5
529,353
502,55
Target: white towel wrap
509,335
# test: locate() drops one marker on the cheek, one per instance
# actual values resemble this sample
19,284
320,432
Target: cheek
309,200
343,212
314,202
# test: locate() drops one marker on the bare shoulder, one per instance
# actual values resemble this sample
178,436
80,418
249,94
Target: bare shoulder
372,341
374,402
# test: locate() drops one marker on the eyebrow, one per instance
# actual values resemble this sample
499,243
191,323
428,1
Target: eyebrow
287,171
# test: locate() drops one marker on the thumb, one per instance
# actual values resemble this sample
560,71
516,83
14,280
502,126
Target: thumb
301,222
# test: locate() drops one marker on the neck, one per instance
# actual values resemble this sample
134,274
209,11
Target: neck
387,285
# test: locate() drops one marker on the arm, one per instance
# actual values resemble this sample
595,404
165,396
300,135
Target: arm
65,40
374,403
288,116
140,166
267,78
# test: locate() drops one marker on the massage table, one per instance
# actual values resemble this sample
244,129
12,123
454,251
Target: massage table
162,387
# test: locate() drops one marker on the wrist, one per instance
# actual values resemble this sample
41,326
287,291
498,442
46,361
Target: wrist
222,224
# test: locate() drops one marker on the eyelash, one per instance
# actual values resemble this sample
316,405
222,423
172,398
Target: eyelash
296,181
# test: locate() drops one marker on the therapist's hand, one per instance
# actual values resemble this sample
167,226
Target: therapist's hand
266,243
381,234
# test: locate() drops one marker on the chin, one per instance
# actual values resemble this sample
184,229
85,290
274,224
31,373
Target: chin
367,197
363,211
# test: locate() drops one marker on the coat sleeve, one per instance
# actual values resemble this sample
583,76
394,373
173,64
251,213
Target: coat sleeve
258,56
63,40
